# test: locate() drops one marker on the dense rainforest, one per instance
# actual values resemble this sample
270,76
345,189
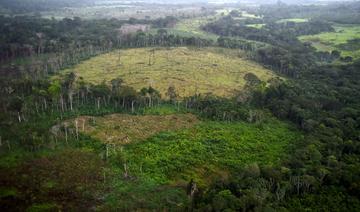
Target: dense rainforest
317,93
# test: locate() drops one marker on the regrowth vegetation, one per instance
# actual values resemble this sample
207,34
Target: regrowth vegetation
161,166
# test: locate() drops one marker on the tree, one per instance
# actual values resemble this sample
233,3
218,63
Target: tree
100,92
68,87
115,89
171,93
16,104
55,91
151,94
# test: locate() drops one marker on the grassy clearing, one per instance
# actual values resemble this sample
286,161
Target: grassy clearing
216,70
257,26
123,128
330,41
192,27
248,15
245,15
295,20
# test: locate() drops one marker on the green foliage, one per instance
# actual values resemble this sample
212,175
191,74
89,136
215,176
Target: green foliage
164,109
210,145
43,207
327,200
8,192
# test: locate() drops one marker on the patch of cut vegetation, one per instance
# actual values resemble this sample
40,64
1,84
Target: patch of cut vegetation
123,128
190,70
329,41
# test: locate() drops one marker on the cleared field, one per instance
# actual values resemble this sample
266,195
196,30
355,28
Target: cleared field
248,15
189,70
123,128
257,26
192,27
336,40
296,20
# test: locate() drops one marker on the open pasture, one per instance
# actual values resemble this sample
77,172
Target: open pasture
192,27
190,70
337,40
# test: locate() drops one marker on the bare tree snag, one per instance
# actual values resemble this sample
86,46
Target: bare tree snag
77,129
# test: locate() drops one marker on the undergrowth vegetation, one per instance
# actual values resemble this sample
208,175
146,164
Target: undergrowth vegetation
211,150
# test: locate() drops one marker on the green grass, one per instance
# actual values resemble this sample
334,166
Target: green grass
166,162
190,70
161,110
330,41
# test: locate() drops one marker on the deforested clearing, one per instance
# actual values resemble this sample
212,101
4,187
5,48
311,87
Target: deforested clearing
190,70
